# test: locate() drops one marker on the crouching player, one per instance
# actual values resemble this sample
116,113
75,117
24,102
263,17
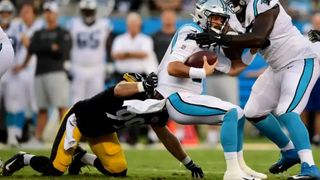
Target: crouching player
96,120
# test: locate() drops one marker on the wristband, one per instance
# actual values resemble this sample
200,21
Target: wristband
197,73
186,160
140,87
247,58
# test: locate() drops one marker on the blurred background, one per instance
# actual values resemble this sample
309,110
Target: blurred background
94,58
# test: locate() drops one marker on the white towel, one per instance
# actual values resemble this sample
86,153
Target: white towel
69,141
144,107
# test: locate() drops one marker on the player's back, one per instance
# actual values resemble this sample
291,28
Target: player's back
287,44
89,42
179,50
104,113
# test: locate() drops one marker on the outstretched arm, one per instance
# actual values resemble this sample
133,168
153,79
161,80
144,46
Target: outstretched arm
173,145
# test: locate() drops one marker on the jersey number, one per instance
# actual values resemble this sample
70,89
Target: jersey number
88,40
128,118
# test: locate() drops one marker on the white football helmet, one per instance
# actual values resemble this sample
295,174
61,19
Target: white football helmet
88,10
6,6
236,6
206,8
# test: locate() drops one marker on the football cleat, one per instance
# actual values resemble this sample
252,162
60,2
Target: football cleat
288,159
77,164
253,173
307,173
14,164
238,175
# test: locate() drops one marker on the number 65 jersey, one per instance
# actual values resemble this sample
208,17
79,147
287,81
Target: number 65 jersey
89,42
103,114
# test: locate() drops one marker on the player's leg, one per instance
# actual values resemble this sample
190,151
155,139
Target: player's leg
6,56
186,108
110,159
297,81
78,86
263,99
56,165
95,83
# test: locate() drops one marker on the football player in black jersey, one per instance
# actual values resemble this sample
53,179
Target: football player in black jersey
96,120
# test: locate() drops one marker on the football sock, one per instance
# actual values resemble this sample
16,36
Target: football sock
228,134
43,165
289,146
306,156
232,161
297,130
299,136
270,127
240,128
27,158
88,159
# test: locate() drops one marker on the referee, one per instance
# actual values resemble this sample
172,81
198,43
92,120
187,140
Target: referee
51,45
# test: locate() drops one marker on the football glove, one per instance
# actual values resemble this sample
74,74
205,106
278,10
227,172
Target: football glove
133,77
196,170
314,35
150,83
211,38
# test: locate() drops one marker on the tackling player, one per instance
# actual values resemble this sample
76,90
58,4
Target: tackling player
284,88
97,119
182,86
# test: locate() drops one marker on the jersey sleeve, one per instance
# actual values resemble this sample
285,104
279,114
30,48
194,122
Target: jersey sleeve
182,48
256,7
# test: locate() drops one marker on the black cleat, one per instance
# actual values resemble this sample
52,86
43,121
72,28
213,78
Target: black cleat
14,164
77,164
288,159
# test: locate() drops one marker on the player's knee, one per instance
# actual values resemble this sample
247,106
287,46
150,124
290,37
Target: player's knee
279,111
240,112
116,169
249,112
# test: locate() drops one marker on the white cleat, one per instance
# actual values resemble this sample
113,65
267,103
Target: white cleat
238,175
253,173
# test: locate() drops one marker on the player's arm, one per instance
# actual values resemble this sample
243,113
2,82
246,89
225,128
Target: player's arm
125,88
257,38
173,145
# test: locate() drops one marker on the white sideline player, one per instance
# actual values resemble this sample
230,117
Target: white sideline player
6,52
182,86
283,90
88,54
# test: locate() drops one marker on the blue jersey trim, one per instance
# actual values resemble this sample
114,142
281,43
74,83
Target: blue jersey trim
303,83
175,37
193,109
255,8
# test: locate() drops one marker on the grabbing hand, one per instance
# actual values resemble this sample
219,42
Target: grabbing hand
207,67
209,39
150,83
314,35
195,169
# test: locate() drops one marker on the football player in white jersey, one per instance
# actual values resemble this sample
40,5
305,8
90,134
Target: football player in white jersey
88,54
6,52
182,86
284,88
12,88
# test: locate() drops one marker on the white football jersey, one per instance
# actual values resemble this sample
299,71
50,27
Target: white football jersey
2,34
287,43
13,33
89,42
316,48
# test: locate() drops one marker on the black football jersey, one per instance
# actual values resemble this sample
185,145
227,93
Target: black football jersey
104,113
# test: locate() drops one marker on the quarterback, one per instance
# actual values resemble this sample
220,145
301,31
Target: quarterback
182,86
97,119
283,90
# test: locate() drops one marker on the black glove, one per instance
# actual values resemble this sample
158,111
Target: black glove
133,77
211,38
314,35
150,83
196,170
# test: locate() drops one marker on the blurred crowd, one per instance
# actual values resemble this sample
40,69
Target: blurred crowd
57,65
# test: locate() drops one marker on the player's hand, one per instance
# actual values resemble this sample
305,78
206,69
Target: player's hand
150,83
207,67
314,35
195,169
210,39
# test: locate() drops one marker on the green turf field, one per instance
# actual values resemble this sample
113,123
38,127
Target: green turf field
158,165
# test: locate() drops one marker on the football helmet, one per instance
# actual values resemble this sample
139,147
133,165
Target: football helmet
8,8
88,10
236,6
207,8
